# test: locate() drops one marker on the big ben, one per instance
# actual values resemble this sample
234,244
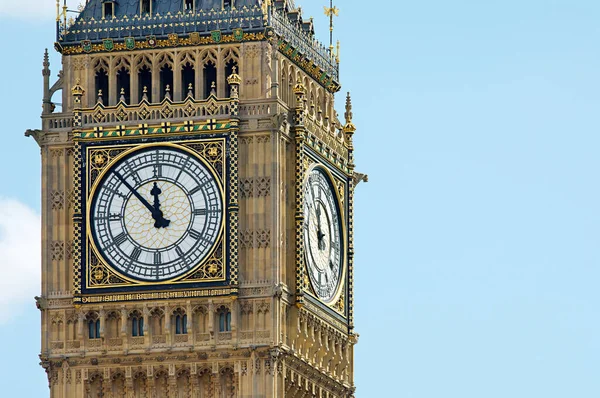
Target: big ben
197,204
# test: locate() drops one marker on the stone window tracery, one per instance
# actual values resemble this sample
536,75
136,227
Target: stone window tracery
144,71
180,321
224,319
137,324
93,323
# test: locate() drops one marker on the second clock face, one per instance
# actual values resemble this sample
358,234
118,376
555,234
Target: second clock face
322,235
156,214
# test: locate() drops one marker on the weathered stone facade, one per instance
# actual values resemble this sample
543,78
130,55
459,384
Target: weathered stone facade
282,342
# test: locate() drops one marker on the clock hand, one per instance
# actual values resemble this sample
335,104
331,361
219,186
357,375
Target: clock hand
156,215
160,221
135,193
320,234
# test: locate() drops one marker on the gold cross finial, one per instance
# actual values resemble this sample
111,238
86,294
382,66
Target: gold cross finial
331,11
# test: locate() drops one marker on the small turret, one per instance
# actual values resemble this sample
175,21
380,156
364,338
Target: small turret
46,101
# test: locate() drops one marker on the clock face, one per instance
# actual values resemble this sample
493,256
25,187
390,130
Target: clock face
322,235
156,213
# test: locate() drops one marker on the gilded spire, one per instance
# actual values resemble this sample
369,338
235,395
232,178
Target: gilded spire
349,128
331,11
348,114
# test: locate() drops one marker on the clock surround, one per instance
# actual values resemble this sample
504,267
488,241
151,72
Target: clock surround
100,276
324,234
131,238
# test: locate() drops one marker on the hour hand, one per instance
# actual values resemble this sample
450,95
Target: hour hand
320,234
161,222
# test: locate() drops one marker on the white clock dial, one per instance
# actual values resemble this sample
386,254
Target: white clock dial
322,235
156,214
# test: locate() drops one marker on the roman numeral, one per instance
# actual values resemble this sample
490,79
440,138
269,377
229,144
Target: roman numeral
195,190
135,254
187,161
118,193
158,170
157,258
200,212
179,251
120,239
195,234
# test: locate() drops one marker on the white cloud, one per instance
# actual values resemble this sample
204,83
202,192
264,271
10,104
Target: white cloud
20,256
33,9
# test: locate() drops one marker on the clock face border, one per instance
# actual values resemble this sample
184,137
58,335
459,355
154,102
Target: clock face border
219,250
341,289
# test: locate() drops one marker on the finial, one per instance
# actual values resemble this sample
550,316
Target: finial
349,128
213,89
64,13
234,78
122,98
77,90
299,88
168,92
190,90
331,11
145,93
57,10
337,54
100,100
348,114
46,64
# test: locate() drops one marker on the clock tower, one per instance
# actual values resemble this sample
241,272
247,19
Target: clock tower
197,204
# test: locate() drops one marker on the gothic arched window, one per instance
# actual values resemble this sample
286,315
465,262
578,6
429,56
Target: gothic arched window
137,324
181,324
224,320
180,321
93,326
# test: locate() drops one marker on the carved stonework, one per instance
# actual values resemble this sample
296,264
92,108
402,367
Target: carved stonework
57,200
258,239
57,248
253,106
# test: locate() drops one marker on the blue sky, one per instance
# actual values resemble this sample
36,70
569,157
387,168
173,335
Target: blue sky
477,234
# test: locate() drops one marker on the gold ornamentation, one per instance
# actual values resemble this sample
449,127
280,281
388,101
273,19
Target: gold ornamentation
341,193
193,40
100,275
101,158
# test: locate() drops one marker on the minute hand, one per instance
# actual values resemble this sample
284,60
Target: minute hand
136,193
